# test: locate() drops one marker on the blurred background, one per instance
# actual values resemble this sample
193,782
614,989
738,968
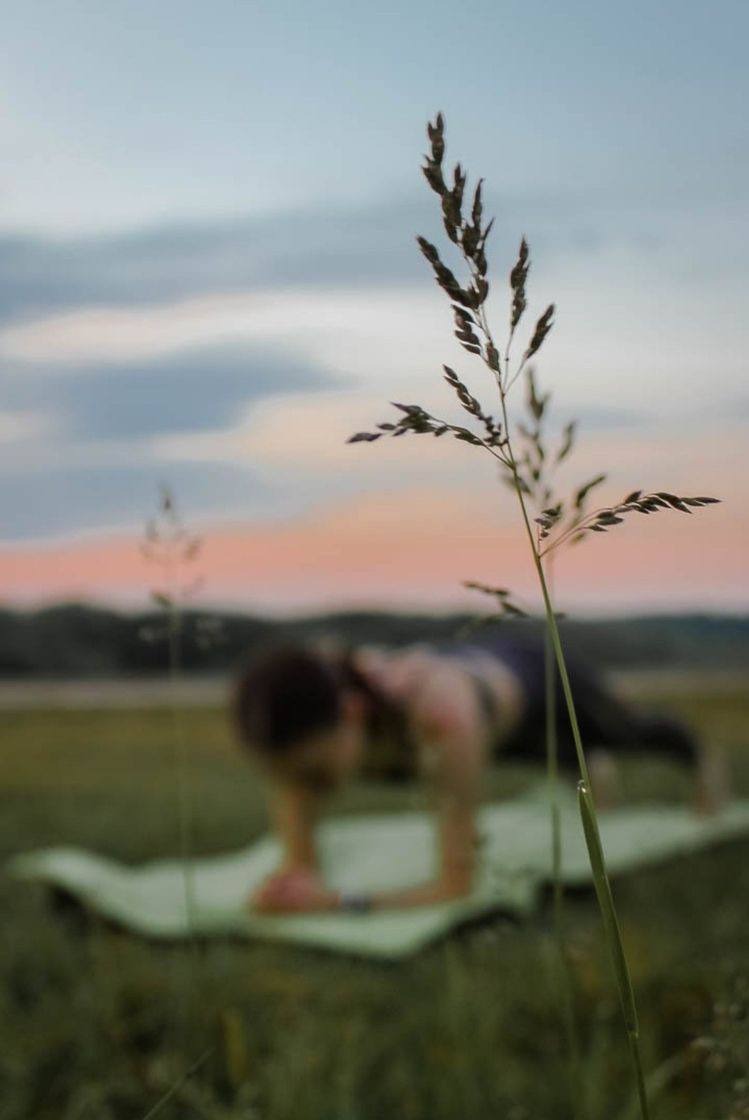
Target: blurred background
208,278
208,282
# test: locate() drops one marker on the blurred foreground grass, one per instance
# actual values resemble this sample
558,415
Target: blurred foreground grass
94,1023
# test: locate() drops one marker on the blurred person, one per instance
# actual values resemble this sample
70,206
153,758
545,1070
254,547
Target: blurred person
316,717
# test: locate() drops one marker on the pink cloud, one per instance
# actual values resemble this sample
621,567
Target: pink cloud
410,548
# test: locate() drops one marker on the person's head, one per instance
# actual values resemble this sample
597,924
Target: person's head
299,711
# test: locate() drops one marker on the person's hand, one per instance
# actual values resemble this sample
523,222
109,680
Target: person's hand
292,891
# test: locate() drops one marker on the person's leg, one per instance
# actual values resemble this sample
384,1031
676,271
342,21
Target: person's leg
611,728
605,721
602,721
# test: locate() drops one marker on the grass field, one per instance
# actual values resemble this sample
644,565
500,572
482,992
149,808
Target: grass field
94,1023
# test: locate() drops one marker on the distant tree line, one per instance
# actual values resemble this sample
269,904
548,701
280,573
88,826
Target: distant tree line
83,641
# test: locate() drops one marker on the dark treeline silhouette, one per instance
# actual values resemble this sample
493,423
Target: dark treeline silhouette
82,641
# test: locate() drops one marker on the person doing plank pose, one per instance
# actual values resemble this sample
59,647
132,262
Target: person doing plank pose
316,717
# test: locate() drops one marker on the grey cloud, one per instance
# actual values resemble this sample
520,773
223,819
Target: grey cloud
364,246
123,405
70,500
40,275
194,390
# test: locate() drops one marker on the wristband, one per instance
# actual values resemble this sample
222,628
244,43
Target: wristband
355,903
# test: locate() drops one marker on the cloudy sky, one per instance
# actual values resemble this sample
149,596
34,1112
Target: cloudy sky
208,279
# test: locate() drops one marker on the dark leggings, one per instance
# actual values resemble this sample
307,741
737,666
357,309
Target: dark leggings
605,721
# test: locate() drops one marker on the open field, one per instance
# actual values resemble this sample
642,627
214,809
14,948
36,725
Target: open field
97,1024
200,690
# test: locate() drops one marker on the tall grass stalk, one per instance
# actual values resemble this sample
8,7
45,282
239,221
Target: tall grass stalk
174,1089
564,976
540,485
168,544
586,803
184,797
557,524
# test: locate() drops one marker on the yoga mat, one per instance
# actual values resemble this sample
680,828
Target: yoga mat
371,853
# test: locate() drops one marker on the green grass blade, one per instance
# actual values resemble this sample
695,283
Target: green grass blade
613,935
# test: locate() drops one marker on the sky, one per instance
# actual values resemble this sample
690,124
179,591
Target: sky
209,280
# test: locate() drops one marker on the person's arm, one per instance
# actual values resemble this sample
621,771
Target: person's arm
295,811
446,724
299,888
457,844
449,731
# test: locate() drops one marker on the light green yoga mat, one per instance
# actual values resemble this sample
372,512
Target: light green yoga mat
371,853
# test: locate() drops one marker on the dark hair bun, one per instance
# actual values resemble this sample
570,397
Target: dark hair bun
283,695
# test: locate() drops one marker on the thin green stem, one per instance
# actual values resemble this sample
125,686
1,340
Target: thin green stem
185,977
564,971
154,1111
511,381
565,980
565,983
487,446
552,769
587,808
579,526
184,800
613,938
548,606
184,807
